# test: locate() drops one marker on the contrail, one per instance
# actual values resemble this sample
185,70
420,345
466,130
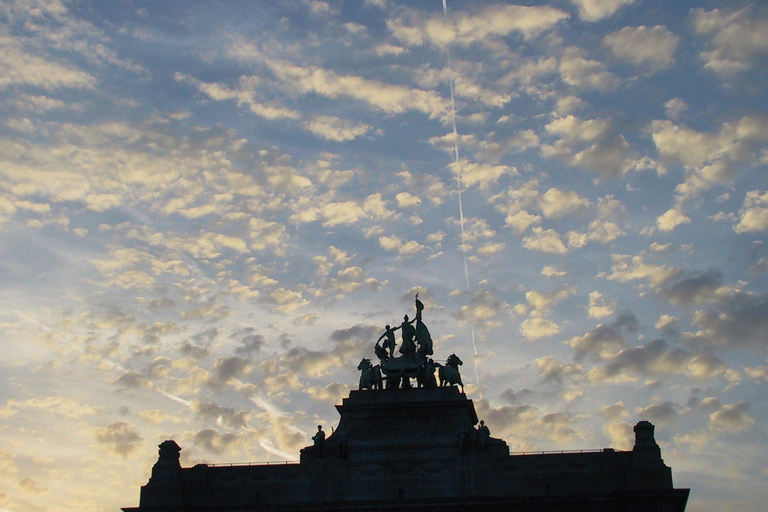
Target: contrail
459,187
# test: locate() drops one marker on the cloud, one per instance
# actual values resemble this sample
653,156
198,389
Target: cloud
402,247
739,320
595,10
336,129
225,369
211,440
488,22
21,68
621,435
710,159
57,405
536,328
554,373
32,486
652,47
555,203
736,39
604,342
542,240
516,397
542,302
581,72
226,416
614,411
592,144
250,342
696,289
119,436
406,200
500,20
658,413
753,216
480,307
598,306
387,98
629,268
656,358
672,218
483,175
189,349
732,417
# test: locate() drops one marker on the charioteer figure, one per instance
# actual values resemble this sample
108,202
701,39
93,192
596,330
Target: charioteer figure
408,347
389,342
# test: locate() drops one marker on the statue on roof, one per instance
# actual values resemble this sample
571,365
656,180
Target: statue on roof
414,361
389,342
423,337
409,333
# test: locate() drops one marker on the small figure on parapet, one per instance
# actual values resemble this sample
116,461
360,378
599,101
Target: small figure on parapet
319,440
483,433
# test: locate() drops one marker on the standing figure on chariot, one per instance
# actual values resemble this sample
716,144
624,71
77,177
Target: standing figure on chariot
408,347
422,333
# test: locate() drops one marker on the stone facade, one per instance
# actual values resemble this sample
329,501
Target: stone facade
402,449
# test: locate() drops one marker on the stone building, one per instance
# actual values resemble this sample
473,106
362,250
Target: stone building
418,450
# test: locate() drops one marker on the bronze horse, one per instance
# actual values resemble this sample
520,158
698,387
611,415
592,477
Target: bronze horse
449,374
370,376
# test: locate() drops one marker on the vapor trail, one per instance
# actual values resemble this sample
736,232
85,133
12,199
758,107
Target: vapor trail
459,189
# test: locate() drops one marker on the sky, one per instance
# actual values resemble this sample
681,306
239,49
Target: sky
210,210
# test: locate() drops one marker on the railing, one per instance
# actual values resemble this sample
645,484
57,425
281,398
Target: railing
556,452
267,463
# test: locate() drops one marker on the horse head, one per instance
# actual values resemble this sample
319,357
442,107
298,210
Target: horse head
453,360
365,364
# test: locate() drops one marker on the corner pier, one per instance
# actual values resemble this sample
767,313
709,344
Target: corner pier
407,449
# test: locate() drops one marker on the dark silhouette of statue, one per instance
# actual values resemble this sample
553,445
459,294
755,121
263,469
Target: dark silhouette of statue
408,347
389,343
483,433
370,375
319,440
449,374
381,352
429,369
423,337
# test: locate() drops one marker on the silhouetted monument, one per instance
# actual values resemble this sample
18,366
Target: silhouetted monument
408,449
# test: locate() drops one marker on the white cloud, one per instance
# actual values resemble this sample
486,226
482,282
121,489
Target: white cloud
710,158
599,307
406,200
484,175
581,72
536,328
591,144
753,216
629,268
595,10
542,240
555,203
335,129
675,108
672,218
388,98
737,39
644,46
490,21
